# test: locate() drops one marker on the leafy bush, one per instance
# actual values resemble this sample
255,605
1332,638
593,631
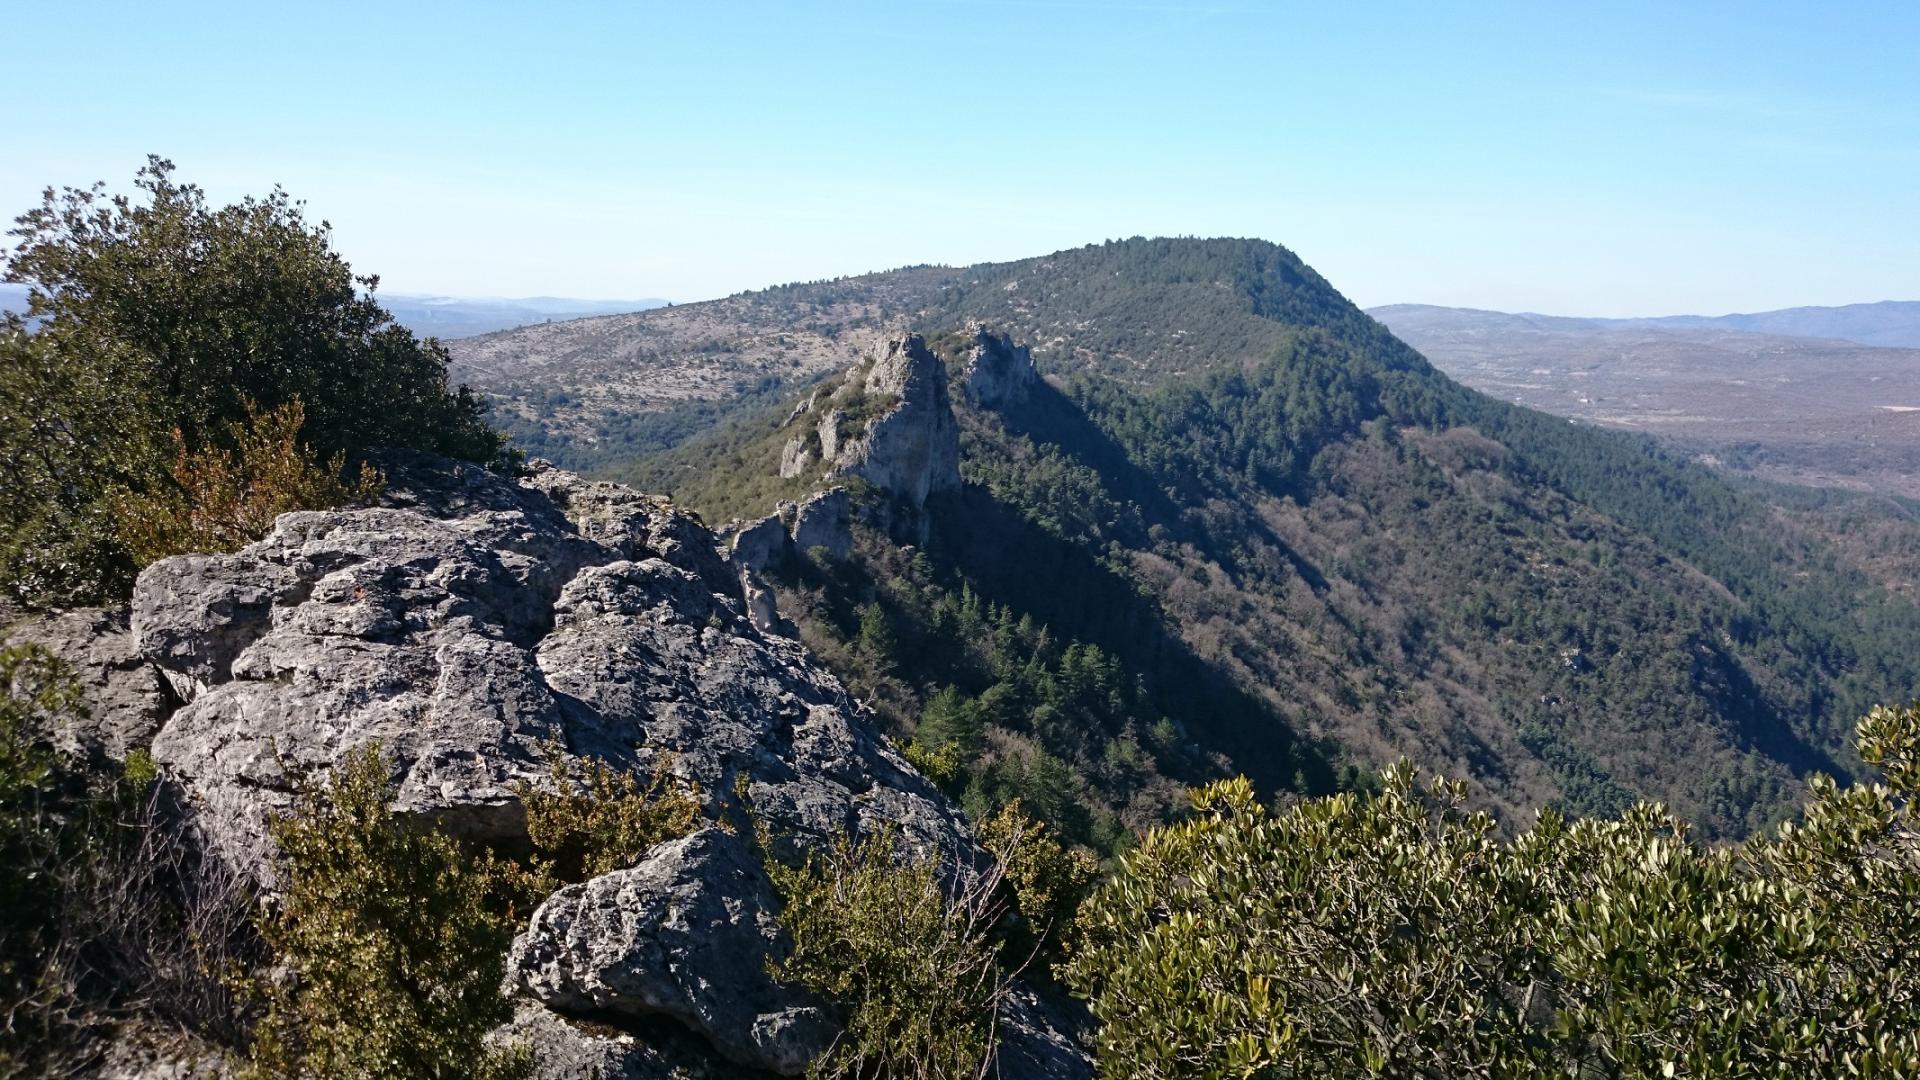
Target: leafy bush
158,314
912,952
916,972
207,308
222,500
68,435
32,839
1047,879
1396,935
396,935
395,938
593,819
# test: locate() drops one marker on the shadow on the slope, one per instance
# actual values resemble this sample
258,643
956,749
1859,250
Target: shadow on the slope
1013,562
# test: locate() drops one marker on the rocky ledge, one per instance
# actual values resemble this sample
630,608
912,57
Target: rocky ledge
469,624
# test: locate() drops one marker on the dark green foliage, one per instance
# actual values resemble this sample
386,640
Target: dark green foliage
159,314
915,971
1395,935
396,938
33,839
212,307
69,436
953,729
998,708
591,819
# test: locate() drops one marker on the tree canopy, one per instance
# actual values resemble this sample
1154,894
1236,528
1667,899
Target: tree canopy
157,322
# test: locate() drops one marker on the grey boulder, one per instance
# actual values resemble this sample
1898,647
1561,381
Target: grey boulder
617,945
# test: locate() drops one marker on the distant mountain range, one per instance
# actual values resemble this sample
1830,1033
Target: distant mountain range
1803,409
454,316
1889,322
459,317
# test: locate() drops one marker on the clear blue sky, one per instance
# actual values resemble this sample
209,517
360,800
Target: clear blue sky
1605,159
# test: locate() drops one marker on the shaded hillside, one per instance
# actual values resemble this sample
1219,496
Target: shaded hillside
1351,543
1796,409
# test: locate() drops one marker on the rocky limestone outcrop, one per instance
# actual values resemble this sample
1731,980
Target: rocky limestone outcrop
760,544
126,698
471,622
999,373
569,1048
829,433
913,449
795,458
614,945
825,521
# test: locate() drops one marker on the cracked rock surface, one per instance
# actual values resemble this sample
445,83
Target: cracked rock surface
469,623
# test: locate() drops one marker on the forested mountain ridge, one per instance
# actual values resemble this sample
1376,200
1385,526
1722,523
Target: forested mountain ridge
1245,493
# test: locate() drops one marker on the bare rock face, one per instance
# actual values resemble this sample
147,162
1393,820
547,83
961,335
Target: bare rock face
912,450
829,432
825,521
481,622
126,698
566,1048
469,624
760,544
999,373
795,457
613,945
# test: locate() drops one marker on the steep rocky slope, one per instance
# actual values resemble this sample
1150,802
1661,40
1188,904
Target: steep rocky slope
468,626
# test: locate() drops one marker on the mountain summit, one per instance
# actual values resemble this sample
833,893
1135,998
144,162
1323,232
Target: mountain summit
1300,549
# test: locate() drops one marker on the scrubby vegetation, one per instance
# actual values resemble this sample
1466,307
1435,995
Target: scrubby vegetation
220,499
111,916
592,818
395,938
914,967
918,956
1396,935
161,327
395,935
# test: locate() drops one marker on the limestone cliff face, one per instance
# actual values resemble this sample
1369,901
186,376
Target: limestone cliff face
999,373
913,449
470,622
909,444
